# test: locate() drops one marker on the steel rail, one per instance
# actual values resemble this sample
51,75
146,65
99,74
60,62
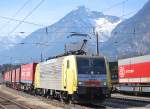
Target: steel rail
60,104
2,106
131,98
14,102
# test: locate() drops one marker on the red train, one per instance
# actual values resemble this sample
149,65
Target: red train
21,78
134,74
7,78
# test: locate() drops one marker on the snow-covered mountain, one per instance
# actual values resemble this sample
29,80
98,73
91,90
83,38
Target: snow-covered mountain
50,40
105,27
131,37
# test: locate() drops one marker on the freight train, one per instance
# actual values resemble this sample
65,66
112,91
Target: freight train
72,78
133,75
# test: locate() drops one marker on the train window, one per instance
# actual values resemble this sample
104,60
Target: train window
88,65
116,76
67,63
112,76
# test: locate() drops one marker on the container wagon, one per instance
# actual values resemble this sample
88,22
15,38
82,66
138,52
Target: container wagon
74,78
26,76
13,80
18,76
134,74
7,78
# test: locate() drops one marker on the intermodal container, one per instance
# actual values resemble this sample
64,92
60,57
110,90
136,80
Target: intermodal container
134,70
13,75
7,76
27,73
10,76
18,74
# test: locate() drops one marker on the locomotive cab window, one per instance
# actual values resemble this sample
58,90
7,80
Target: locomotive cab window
88,65
68,63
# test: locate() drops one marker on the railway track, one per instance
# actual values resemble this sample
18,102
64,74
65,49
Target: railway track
6,103
116,101
123,101
58,103
54,102
113,102
129,97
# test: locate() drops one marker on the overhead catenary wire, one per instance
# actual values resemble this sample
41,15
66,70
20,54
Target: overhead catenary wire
22,7
32,23
114,5
17,20
61,26
36,24
16,13
41,25
87,26
50,43
29,14
38,43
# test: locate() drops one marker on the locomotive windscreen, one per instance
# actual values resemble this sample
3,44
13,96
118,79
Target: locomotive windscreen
91,65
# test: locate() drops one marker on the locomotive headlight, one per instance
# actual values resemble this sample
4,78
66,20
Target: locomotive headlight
92,72
104,83
80,82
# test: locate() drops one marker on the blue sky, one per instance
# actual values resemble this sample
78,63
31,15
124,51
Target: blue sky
52,10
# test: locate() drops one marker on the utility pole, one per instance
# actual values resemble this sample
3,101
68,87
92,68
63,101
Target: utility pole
97,44
97,41
41,57
134,32
65,49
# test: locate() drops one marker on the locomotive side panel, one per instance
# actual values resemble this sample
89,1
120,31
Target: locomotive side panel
49,74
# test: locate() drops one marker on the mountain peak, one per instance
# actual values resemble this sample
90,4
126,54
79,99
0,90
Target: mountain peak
83,12
82,8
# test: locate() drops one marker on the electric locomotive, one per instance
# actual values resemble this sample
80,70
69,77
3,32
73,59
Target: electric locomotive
74,78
